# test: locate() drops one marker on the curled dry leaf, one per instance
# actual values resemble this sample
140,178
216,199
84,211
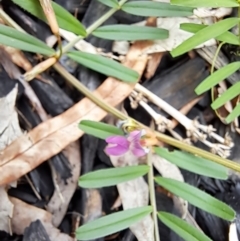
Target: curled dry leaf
52,136
24,214
9,131
133,194
67,188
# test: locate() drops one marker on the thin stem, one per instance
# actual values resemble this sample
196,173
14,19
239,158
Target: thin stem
10,21
152,196
94,26
215,56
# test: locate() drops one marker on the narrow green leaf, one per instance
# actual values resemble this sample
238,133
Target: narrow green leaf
110,3
193,163
234,114
226,37
231,93
197,198
182,228
206,3
16,39
217,77
112,176
155,9
211,31
99,129
112,223
105,66
130,32
65,20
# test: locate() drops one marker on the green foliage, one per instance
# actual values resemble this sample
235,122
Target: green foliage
112,176
112,223
156,9
23,41
121,220
207,33
110,3
64,18
218,31
206,3
182,228
99,129
216,77
232,92
226,37
234,114
104,65
197,198
193,163
129,32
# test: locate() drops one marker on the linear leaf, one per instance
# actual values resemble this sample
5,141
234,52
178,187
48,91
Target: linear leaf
193,163
110,3
156,9
197,198
65,20
111,176
226,37
112,223
206,3
182,228
230,93
234,114
16,39
217,77
105,66
211,31
99,129
130,32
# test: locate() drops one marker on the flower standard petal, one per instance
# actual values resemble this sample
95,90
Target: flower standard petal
134,136
117,145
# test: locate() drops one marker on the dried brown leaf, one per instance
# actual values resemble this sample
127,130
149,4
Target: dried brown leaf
18,57
9,126
52,136
67,188
24,214
9,131
6,210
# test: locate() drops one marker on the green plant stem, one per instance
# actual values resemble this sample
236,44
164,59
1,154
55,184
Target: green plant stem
108,108
152,196
215,56
164,138
94,26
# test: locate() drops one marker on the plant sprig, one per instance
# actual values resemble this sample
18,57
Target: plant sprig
104,225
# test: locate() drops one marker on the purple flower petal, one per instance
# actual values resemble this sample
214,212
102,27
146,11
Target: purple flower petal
117,145
138,150
134,136
115,150
120,140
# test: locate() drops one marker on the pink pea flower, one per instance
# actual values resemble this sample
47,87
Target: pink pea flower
119,145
